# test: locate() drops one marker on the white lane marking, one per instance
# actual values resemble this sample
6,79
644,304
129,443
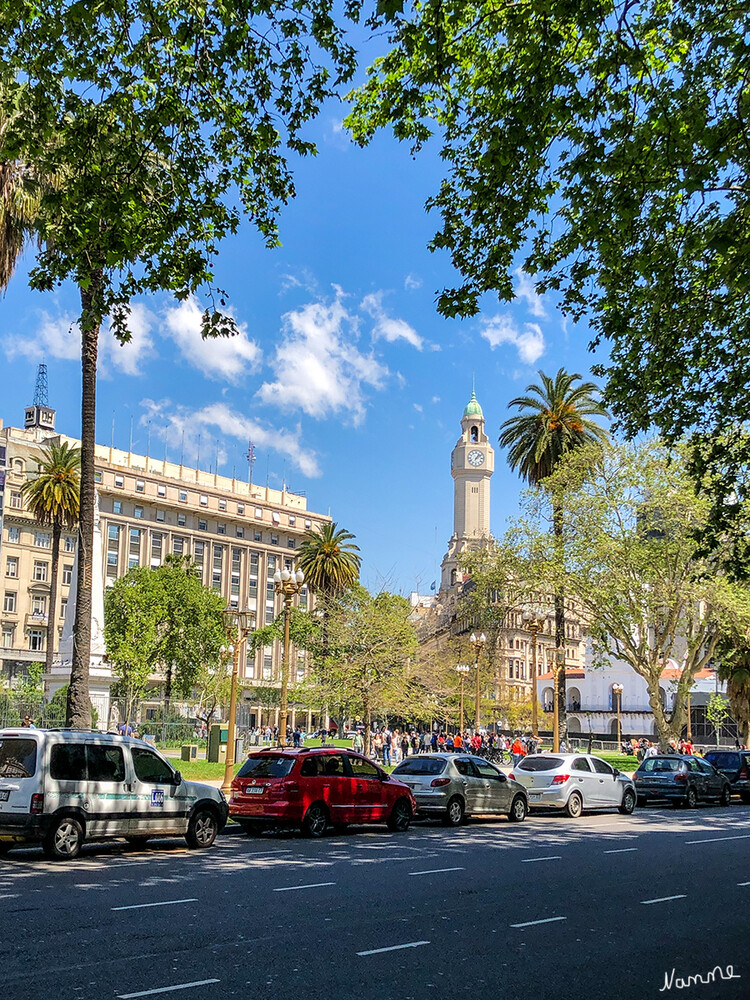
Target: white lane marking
715,840
10,895
553,857
662,899
739,883
393,947
532,923
436,871
622,850
166,989
315,885
168,902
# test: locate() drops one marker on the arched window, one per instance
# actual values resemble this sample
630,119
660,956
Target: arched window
18,464
474,435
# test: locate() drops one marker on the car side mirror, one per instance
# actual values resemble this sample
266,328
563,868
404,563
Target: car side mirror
502,777
616,772
177,780
384,776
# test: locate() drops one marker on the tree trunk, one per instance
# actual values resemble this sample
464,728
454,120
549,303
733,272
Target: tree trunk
368,725
52,606
78,715
167,700
664,728
562,700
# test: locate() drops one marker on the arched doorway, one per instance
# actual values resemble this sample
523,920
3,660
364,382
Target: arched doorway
574,700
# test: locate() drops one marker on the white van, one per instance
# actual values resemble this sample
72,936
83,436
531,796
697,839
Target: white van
63,786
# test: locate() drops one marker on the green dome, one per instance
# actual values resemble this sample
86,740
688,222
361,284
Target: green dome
473,409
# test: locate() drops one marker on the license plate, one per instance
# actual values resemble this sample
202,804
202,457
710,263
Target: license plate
254,790
535,795
4,794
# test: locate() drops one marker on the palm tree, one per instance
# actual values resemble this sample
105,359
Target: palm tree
553,421
329,560
53,496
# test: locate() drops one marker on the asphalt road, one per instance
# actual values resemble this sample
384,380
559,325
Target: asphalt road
601,908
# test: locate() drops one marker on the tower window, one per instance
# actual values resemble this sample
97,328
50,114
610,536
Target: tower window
474,435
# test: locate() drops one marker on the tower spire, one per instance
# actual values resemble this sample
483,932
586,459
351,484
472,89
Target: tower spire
41,397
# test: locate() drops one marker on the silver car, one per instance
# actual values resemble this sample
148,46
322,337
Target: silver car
574,782
455,785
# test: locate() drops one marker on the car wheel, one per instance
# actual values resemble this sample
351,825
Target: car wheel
64,840
725,798
518,810
574,807
691,798
454,814
202,829
138,841
628,802
400,818
316,820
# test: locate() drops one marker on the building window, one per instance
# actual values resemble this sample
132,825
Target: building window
117,507
202,525
303,599
275,518
222,505
111,559
204,500
138,512
308,523
67,574
290,543
39,605
9,602
274,539
156,545
14,534
221,529
183,496
16,500
258,511
113,532
70,544
178,546
11,567
240,508
160,515
161,491
119,482
240,531
139,486
36,640
42,540
97,475
181,520
267,663
292,520
40,572
257,536
63,606
7,638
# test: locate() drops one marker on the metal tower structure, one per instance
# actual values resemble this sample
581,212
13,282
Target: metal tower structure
41,397
250,461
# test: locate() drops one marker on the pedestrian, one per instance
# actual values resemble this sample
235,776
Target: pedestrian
28,723
358,743
518,751
387,745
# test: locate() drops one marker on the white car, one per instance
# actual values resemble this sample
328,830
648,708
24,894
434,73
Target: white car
574,782
62,786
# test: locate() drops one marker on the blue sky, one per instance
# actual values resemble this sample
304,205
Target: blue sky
346,379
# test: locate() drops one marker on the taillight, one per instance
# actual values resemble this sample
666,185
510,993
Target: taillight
439,782
744,775
560,779
681,776
283,788
512,776
37,803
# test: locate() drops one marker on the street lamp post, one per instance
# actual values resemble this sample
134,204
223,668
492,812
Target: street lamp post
241,620
463,669
478,644
617,690
533,622
287,583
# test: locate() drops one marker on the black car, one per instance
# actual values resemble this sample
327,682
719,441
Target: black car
735,764
684,780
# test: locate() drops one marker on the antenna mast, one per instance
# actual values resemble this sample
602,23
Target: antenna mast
41,397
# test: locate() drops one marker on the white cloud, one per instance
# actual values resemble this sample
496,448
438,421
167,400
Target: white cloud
412,281
187,428
128,358
529,343
318,367
57,337
418,407
230,359
436,399
526,290
387,327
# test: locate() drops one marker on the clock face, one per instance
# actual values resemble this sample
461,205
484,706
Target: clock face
475,457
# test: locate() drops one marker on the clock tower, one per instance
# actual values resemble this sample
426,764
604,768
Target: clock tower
472,464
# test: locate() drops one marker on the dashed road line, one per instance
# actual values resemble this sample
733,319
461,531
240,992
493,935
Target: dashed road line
715,840
314,885
166,989
143,906
533,923
622,850
552,857
393,947
662,899
437,871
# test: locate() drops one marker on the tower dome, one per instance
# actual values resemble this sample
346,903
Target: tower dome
473,409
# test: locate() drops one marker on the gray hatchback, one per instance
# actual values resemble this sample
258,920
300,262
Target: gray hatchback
455,785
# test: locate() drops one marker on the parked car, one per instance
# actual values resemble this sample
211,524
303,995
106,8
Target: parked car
315,788
735,764
455,785
684,780
574,782
62,787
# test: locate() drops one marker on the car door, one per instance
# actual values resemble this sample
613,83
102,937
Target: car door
471,784
368,798
714,779
583,780
607,789
161,805
337,788
21,776
107,796
496,791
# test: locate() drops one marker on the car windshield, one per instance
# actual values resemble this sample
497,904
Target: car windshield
421,765
266,766
17,757
541,763
661,764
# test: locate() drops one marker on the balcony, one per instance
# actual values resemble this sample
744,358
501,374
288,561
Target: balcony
36,619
